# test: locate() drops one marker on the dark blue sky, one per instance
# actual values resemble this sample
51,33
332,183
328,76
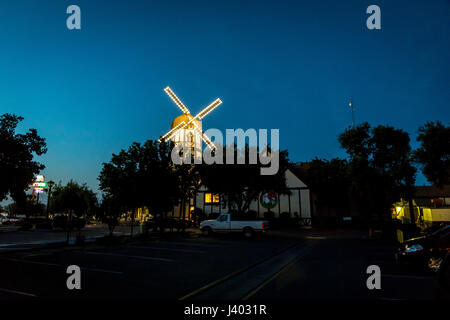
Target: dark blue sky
290,65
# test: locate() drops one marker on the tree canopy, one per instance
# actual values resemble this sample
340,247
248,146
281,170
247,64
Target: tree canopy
75,198
434,153
17,151
380,165
143,175
331,181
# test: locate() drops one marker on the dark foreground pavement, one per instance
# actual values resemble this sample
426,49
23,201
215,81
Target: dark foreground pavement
281,266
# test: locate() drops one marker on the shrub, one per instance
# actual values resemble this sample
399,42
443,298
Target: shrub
198,214
269,215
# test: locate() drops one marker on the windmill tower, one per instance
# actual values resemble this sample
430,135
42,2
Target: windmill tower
187,129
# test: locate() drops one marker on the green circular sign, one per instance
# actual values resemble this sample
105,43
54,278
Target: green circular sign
268,199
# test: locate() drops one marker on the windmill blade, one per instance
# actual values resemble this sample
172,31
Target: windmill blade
177,101
208,109
205,138
172,132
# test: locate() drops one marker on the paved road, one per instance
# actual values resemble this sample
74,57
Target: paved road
336,270
277,266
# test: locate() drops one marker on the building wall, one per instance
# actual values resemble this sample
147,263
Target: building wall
297,203
436,215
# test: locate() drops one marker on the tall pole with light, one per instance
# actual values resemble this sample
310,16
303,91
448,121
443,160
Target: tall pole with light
353,112
50,185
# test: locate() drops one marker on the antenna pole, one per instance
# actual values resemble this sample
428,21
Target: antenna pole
353,112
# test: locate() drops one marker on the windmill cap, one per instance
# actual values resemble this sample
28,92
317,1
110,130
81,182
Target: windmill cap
184,117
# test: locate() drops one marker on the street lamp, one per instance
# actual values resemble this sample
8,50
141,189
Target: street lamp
50,185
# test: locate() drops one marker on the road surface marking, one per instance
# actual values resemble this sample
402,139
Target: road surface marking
59,265
232,274
266,282
18,292
127,256
168,249
192,244
304,252
393,299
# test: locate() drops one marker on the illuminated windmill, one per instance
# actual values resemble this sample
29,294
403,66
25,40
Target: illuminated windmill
186,129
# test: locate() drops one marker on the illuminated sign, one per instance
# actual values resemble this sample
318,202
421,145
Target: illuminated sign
38,190
40,185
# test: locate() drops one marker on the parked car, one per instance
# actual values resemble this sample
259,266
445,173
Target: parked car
3,220
444,271
425,251
227,223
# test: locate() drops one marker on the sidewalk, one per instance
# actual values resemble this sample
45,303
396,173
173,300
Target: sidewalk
42,239
25,240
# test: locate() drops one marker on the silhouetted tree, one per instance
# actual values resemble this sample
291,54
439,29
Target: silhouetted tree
434,152
381,169
75,198
110,212
17,151
331,181
144,175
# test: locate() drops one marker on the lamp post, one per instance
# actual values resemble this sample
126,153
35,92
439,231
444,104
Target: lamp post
50,185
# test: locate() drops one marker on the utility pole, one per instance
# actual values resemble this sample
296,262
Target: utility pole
353,112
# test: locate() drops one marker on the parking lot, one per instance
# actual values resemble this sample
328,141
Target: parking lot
268,267
159,269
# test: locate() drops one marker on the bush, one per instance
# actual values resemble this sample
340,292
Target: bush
285,216
269,215
285,220
198,215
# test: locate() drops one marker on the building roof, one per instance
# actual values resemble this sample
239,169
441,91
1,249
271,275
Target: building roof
186,118
432,192
299,169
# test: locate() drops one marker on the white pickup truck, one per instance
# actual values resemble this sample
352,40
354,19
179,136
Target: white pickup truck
225,223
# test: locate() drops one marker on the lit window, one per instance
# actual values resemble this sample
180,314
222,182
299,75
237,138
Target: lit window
212,198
